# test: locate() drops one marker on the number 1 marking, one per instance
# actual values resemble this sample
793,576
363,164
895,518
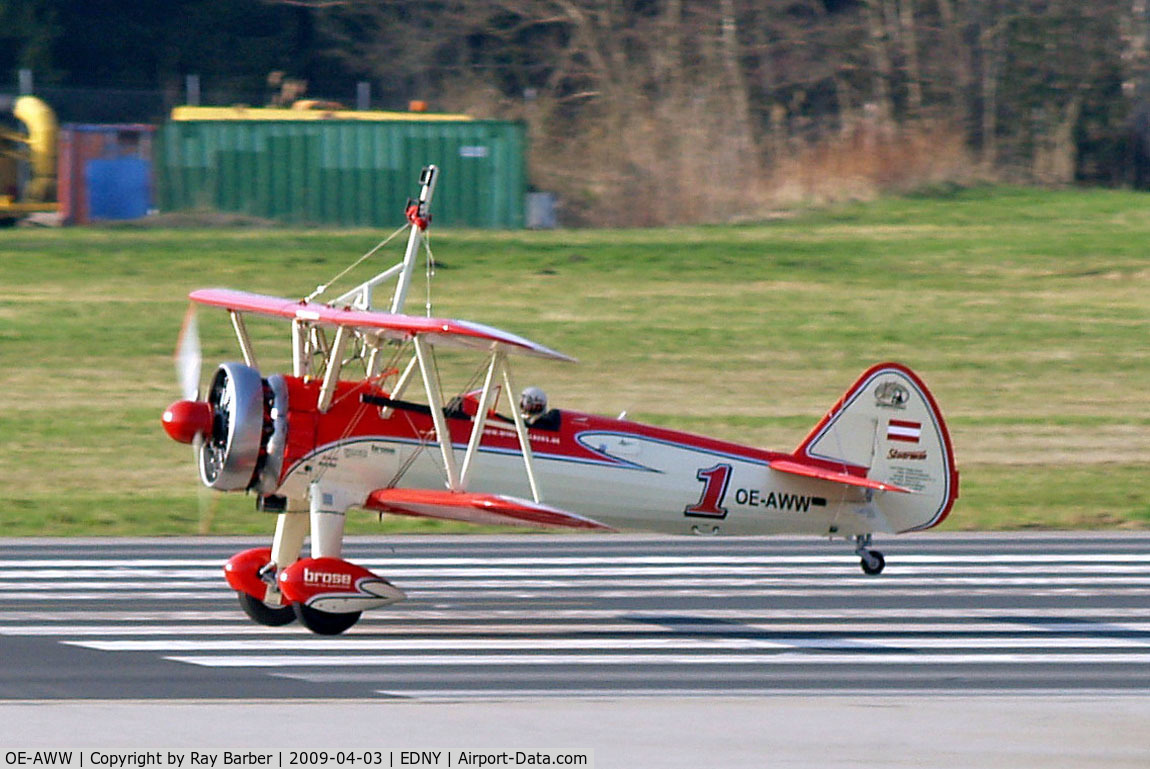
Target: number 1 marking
710,504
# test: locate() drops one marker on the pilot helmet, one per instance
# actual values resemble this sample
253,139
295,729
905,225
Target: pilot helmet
532,402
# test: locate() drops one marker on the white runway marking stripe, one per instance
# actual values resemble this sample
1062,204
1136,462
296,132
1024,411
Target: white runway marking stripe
652,626
102,595
765,559
465,566
112,585
16,617
778,658
536,644
524,613
884,696
898,572
562,581
224,594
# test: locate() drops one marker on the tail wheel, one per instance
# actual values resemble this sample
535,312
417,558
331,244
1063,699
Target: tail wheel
873,562
325,622
272,616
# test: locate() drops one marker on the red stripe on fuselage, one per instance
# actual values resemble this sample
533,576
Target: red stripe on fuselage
349,419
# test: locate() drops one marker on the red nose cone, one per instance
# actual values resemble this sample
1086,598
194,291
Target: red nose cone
185,419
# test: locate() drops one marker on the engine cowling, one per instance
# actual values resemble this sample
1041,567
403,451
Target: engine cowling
241,428
229,454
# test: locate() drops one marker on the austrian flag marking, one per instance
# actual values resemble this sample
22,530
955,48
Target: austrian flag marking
901,430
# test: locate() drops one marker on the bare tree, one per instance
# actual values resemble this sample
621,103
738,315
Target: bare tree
909,37
882,69
687,105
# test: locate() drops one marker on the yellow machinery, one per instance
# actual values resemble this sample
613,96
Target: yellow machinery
27,158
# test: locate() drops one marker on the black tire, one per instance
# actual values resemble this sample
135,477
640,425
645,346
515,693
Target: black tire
879,563
325,622
272,616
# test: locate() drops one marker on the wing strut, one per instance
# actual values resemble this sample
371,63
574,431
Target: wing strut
524,439
497,370
400,386
334,367
424,353
485,404
300,362
245,340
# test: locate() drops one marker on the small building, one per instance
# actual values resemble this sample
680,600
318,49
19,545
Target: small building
340,167
105,172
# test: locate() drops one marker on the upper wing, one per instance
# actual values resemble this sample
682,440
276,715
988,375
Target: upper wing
476,508
441,331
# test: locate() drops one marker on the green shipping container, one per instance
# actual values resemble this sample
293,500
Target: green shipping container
344,172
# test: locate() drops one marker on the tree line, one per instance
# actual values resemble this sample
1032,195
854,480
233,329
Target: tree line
651,111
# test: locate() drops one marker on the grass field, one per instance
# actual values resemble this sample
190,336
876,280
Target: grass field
1028,313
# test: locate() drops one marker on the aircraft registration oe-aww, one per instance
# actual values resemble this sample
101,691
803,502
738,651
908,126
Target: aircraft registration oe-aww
338,433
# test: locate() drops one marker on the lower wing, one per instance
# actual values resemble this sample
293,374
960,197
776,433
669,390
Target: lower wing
491,509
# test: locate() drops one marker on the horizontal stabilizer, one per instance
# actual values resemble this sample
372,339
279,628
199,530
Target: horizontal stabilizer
490,509
813,471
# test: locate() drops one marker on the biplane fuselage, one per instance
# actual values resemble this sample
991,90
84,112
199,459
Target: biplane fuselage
621,473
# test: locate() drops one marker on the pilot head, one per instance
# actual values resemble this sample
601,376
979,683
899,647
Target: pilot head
532,403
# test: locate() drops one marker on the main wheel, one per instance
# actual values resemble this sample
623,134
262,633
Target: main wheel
272,616
873,562
325,622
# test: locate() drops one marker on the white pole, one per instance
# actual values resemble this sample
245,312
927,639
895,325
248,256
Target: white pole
419,220
192,88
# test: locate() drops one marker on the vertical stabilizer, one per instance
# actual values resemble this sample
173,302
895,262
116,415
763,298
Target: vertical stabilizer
888,428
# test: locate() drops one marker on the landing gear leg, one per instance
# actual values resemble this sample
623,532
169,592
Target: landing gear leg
291,528
872,561
326,517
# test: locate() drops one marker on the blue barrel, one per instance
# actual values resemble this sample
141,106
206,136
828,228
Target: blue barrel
118,188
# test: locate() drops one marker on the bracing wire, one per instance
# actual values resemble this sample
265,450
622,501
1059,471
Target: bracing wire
324,286
430,271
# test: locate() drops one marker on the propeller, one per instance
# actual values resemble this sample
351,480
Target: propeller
225,426
189,357
189,362
187,420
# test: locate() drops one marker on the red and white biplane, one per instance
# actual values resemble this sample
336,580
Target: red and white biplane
318,442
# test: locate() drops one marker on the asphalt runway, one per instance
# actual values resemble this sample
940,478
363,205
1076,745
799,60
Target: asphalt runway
599,616
961,632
